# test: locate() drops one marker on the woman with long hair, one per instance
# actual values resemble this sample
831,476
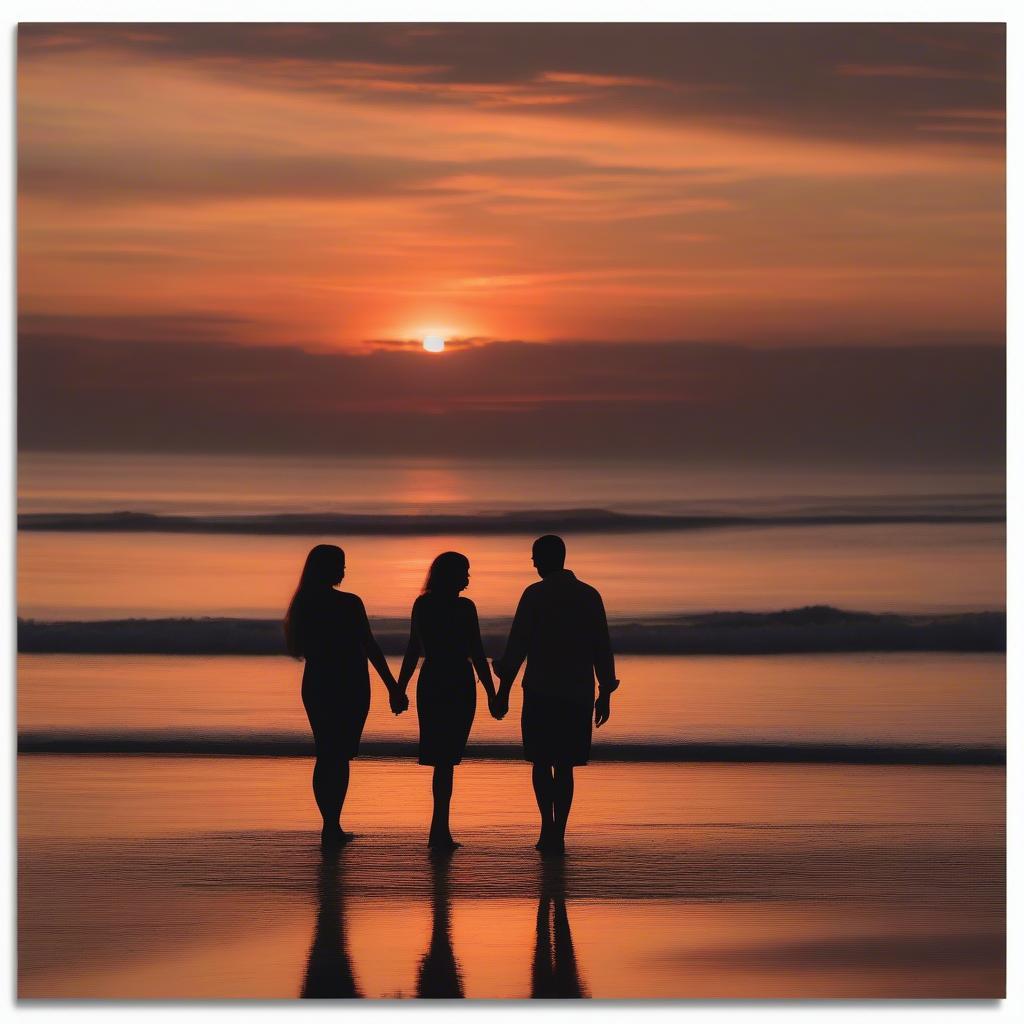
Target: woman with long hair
445,630
329,629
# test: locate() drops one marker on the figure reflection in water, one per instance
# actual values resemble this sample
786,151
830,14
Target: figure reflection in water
329,969
555,974
439,976
446,631
329,629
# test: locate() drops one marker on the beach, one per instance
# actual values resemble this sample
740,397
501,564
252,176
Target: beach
195,878
658,368
799,793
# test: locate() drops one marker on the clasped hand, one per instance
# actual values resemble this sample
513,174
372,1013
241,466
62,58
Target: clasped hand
497,704
398,699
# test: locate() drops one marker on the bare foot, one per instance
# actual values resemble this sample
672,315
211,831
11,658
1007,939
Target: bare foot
335,835
330,837
442,843
554,847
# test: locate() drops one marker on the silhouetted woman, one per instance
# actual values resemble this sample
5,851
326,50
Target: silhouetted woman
446,631
329,629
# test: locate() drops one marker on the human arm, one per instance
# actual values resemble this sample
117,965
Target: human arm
516,648
376,658
412,654
479,659
604,664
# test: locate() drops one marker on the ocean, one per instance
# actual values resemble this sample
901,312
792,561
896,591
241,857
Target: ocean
799,791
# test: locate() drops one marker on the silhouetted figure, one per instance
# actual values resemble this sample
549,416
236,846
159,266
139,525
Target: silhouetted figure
555,974
561,630
329,629
329,969
439,976
446,631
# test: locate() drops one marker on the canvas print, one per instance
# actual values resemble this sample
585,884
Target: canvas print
510,511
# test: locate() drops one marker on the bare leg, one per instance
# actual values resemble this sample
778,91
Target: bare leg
441,787
344,770
325,790
330,786
563,791
543,790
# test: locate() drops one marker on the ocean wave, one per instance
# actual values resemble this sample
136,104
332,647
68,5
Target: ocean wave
159,742
575,521
812,629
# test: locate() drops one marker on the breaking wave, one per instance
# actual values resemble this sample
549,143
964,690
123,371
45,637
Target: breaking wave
158,742
574,521
813,629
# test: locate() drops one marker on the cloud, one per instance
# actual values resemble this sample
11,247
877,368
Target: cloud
916,404
168,327
330,183
913,71
773,75
129,174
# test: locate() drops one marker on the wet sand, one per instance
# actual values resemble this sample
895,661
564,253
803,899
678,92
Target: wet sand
192,878
870,699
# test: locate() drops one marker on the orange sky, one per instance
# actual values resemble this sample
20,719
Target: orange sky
329,186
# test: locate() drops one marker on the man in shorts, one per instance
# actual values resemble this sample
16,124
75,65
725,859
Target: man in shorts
561,631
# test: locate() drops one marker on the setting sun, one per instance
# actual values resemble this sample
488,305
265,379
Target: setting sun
433,343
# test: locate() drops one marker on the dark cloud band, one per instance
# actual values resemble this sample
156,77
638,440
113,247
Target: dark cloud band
917,403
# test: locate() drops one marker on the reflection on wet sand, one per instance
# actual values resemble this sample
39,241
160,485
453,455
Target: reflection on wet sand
439,975
554,974
329,968
766,881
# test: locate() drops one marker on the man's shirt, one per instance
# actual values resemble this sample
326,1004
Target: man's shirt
561,630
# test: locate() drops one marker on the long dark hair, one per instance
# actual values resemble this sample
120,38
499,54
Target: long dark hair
325,566
446,572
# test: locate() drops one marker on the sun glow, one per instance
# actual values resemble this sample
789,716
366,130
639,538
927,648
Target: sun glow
433,343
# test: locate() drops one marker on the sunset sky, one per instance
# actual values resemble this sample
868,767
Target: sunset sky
251,229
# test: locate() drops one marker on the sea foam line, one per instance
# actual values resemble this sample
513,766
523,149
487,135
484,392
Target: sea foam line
519,522
812,629
296,745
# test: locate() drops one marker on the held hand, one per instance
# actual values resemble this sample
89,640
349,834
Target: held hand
399,701
498,706
602,709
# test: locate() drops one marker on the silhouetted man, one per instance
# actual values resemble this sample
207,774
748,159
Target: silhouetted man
561,631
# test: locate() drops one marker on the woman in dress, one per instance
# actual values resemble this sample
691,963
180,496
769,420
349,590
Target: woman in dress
329,629
445,630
